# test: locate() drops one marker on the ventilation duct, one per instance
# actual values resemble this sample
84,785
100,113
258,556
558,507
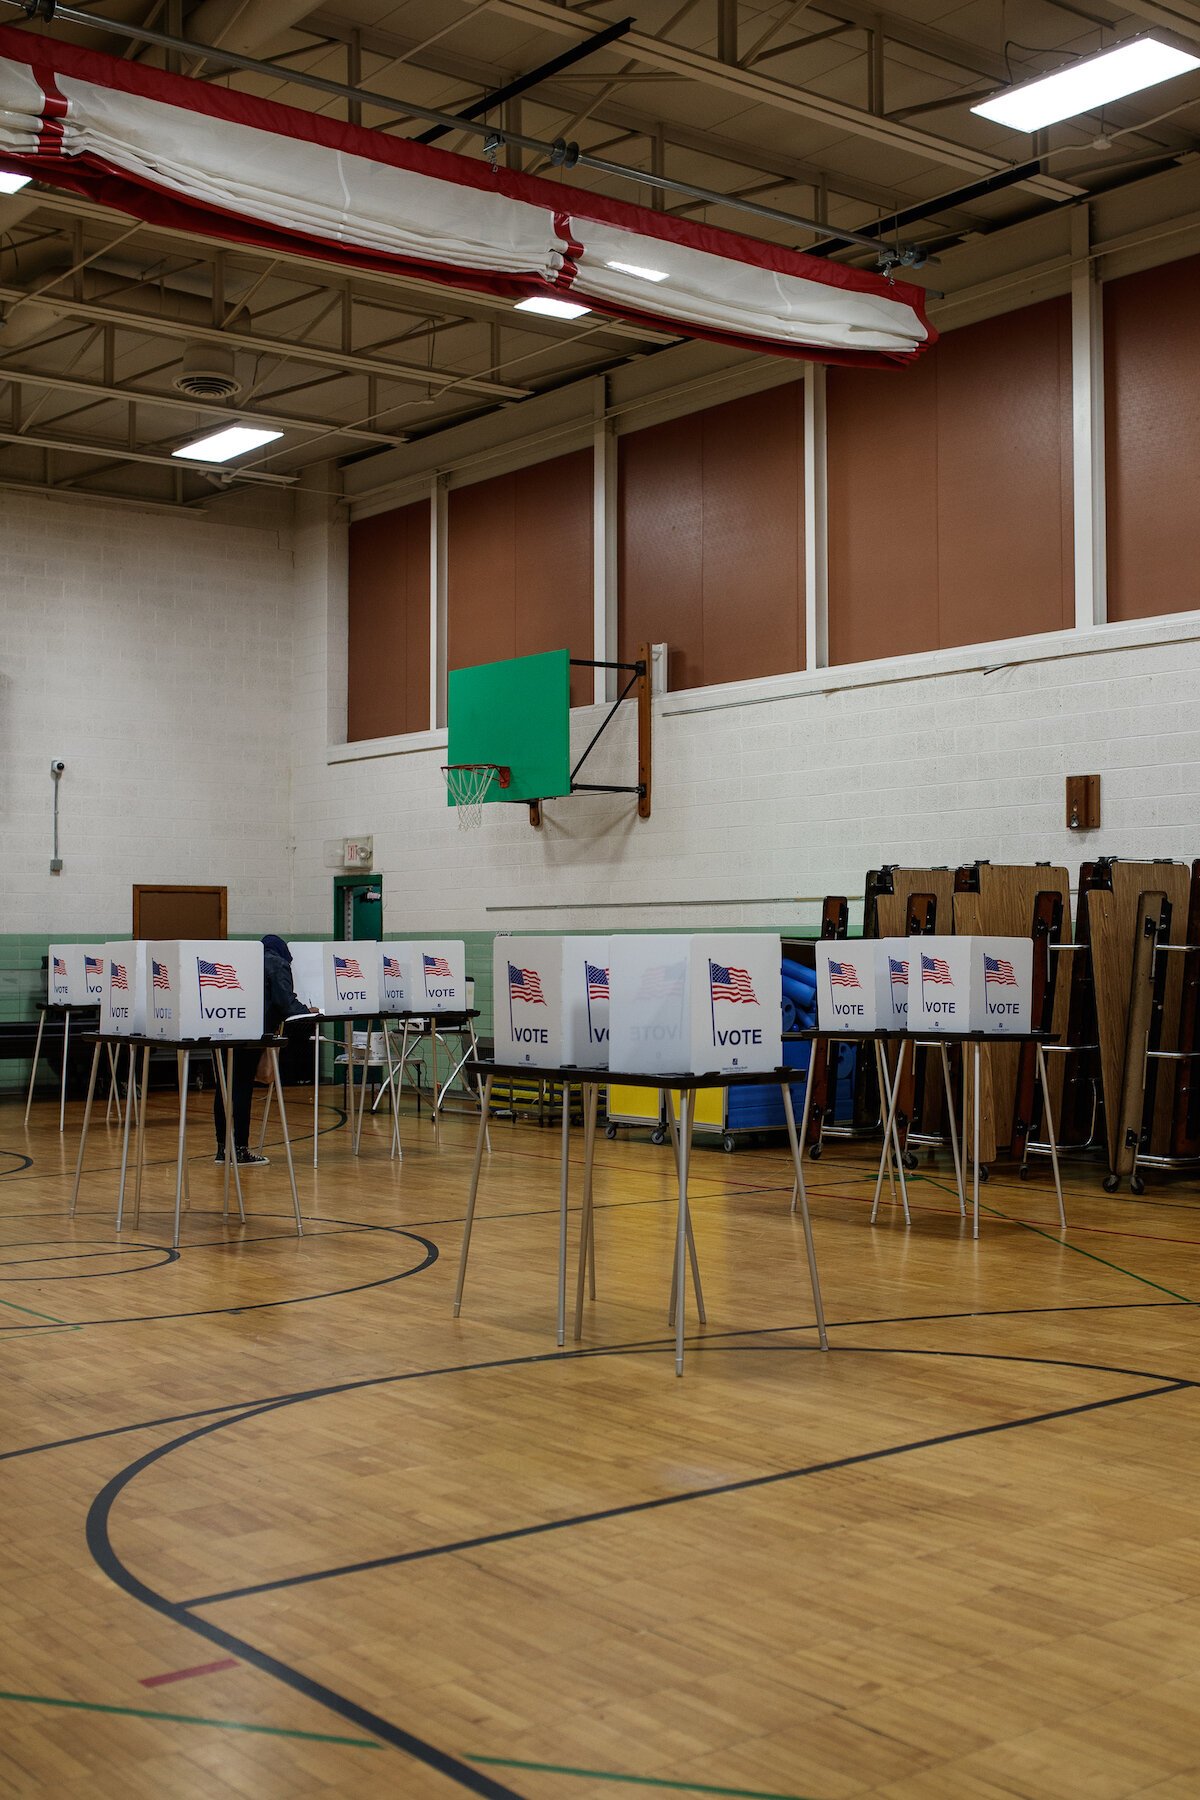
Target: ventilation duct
207,372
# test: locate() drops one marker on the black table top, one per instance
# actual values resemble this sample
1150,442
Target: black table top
140,1041
451,1019
67,1006
569,1072
815,1032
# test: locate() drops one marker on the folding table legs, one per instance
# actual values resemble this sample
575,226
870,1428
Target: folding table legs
687,1107
890,1134
668,1106
587,1222
277,1080
893,1155
37,1051
62,1091
469,1221
225,1083
797,1145
1051,1135
87,1120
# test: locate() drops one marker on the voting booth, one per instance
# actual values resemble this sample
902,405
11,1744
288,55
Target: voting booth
205,989
76,975
585,999
695,1004
970,984
125,972
527,1008
439,976
350,978
852,985
308,973
395,977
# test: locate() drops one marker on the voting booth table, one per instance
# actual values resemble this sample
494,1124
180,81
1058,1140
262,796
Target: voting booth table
74,987
200,998
683,1014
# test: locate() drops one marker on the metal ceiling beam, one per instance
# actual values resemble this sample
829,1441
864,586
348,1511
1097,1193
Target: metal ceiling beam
737,153
521,84
106,495
765,90
352,362
121,453
98,390
1182,16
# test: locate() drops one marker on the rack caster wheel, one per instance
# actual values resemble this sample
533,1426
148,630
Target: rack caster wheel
1111,1183
658,1137
910,1159
814,1154
729,1142
1136,1185
610,1131
1023,1172
984,1172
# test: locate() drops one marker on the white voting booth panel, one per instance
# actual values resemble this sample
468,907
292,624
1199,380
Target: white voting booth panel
395,977
970,984
124,1008
895,958
853,985
527,1000
205,989
308,973
585,998
695,1005
350,978
439,976
76,975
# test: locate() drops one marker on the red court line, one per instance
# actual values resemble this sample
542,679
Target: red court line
226,1662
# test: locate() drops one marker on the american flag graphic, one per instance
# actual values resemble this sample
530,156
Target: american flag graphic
217,975
597,982
663,982
158,972
119,979
997,972
843,974
898,972
933,968
731,984
523,984
345,968
437,965
60,967
391,968
93,965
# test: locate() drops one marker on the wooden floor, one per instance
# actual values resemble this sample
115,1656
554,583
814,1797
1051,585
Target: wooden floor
275,1524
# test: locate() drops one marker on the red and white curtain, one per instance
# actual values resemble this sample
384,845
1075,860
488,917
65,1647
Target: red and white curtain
182,152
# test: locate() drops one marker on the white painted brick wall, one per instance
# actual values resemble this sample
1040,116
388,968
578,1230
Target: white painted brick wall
799,795
153,654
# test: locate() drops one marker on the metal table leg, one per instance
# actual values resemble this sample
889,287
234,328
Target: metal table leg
37,1051
130,1107
814,1279
587,1229
225,1082
391,1083
892,1154
273,1053
362,1091
87,1120
563,1195
958,1172
1052,1136
62,1092
975,1144
687,1107
140,1156
469,1221
798,1184
181,1152
667,1106
890,1133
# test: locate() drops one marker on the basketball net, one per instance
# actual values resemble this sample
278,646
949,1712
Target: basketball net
468,785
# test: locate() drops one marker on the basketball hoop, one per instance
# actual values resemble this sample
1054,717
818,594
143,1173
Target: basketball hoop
468,786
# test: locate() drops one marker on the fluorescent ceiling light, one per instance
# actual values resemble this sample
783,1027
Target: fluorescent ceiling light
1087,85
219,446
553,309
11,184
642,274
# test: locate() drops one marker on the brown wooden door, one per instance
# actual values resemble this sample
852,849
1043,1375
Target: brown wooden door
165,913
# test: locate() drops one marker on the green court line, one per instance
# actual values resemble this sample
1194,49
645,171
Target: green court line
34,1315
653,1781
146,1712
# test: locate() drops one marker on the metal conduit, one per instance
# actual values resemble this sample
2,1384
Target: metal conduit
561,153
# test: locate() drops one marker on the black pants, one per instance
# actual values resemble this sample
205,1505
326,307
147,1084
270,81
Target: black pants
245,1063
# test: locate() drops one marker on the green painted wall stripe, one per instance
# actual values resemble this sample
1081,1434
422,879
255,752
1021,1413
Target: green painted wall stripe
652,1781
146,1712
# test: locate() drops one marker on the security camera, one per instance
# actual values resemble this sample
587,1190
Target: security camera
56,769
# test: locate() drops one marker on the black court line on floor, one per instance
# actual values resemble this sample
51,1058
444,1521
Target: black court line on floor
107,1560
430,1257
165,1252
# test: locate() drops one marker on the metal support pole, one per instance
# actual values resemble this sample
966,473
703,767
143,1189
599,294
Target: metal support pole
87,1120
37,1051
469,1221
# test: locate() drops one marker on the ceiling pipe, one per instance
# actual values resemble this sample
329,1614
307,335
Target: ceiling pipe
560,153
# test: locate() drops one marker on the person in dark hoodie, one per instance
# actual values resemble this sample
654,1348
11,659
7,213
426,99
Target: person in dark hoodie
280,1002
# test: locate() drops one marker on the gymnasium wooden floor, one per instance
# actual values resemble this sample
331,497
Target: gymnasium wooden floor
275,1525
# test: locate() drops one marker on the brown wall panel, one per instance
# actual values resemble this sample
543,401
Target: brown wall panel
950,491
520,566
710,539
882,483
388,649
1152,440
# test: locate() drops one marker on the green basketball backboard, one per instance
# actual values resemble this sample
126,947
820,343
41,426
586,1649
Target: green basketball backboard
516,714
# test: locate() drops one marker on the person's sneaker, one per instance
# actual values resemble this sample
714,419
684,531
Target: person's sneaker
252,1158
219,1157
